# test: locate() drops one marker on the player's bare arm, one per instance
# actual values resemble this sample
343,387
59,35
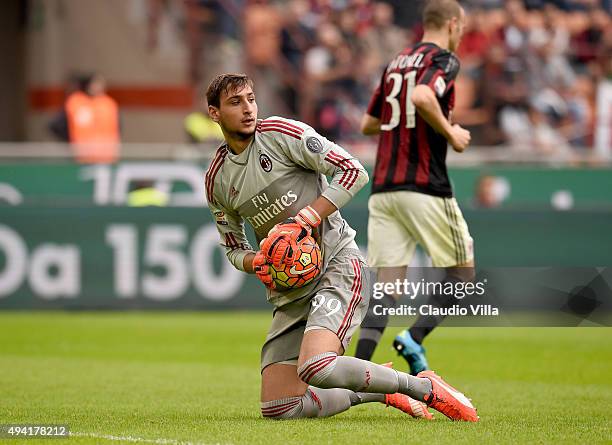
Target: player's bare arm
370,125
428,107
323,206
247,262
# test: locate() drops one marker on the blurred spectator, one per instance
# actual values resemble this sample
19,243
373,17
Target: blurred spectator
383,40
296,38
209,25
516,30
318,60
199,128
603,142
144,194
542,136
470,110
262,43
491,191
89,121
262,28
579,121
329,70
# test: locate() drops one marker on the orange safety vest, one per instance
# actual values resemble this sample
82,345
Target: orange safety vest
93,127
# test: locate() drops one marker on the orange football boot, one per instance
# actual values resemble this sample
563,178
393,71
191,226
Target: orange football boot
446,399
412,407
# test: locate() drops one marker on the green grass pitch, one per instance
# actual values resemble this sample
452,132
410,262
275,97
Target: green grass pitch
173,377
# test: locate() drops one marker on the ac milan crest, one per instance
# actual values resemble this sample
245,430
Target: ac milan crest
265,162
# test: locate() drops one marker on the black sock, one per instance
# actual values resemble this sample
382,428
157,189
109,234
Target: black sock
372,327
418,333
423,326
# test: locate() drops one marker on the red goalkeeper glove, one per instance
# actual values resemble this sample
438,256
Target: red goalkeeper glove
262,270
280,247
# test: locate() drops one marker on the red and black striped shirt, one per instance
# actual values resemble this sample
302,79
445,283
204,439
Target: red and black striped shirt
411,155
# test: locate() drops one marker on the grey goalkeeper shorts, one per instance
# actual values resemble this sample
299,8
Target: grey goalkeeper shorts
338,303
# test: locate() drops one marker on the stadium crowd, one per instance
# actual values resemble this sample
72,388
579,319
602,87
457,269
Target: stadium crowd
529,78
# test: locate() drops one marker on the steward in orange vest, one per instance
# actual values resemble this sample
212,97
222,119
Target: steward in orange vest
93,123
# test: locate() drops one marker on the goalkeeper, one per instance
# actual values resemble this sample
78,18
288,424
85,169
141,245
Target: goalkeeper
272,173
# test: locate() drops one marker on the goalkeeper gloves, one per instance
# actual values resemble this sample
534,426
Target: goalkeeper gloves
280,247
262,270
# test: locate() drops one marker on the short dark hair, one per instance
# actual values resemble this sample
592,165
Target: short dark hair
437,12
225,83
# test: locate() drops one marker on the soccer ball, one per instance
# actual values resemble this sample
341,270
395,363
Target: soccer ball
306,267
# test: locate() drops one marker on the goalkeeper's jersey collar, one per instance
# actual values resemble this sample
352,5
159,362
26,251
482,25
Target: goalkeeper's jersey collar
243,157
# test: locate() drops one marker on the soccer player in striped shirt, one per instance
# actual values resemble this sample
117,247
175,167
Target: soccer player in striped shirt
272,173
412,200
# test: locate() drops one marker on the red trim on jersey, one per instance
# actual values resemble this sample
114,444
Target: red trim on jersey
215,165
347,172
336,157
280,126
230,241
208,174
354,178
355,300
351,173
212,171
291,128
279,130
283,123
346,165
422,172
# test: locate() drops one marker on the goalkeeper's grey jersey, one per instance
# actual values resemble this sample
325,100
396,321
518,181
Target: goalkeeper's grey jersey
283,170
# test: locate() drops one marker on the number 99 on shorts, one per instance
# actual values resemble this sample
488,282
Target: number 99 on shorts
329,306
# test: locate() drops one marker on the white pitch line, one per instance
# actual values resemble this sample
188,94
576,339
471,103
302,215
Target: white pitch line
137,439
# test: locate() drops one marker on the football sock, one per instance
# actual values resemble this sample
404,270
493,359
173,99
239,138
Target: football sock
327,370
426,323
316,402
372,327
367,397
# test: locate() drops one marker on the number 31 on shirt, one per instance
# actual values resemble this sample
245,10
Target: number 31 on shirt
398,80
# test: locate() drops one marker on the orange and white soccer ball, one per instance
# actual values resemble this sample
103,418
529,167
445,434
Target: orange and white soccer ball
306,267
